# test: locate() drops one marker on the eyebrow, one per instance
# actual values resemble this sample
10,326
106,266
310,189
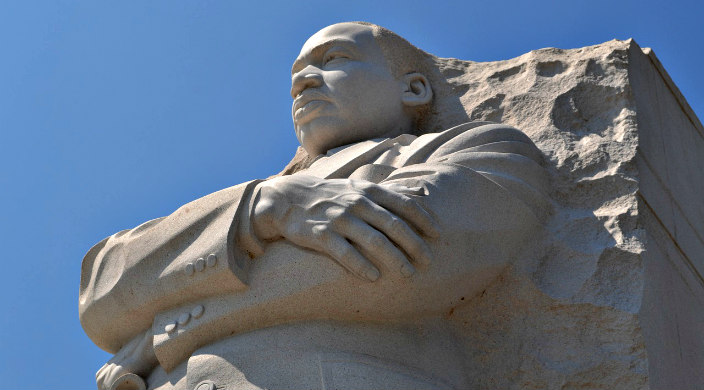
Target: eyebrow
317,51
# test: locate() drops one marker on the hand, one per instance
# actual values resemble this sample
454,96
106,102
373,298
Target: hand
357,223
136,357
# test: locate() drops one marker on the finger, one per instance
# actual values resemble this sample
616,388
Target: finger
405,207
129,381
103,376
375,243
396,229
100,377
343,252
402,189
112,377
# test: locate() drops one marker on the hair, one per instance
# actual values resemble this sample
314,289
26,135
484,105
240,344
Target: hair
404,58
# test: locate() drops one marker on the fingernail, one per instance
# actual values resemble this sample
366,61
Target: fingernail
407,270
372,274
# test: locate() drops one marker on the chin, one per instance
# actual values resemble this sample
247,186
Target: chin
319,139
312,148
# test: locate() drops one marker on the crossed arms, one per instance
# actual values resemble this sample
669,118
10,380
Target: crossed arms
477,184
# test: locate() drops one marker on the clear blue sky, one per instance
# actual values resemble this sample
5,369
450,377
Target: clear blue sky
114,113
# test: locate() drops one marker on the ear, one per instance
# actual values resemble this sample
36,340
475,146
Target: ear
416,90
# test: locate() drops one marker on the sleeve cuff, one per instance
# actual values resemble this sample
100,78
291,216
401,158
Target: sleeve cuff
246,238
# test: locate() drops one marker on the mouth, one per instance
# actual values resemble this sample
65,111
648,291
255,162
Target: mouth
307,109
306,105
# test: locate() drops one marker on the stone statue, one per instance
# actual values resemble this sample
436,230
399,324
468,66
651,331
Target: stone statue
339,272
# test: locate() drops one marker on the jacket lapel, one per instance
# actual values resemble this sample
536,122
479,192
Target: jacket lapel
343,162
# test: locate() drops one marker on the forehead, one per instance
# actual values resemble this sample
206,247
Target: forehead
356,36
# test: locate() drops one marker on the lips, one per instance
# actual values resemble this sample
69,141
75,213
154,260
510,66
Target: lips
308,103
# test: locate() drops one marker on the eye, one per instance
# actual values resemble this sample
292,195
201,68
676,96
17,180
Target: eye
334,57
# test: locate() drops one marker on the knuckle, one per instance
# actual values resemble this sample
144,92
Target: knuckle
320,232
353,199
362,202
396,225
334,213
408,203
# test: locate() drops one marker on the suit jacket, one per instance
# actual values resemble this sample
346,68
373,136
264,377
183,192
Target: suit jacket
191,276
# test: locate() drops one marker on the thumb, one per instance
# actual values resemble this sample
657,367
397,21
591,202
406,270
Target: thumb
405,190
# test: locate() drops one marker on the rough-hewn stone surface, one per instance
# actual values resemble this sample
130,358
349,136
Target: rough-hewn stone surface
568,319
575,317
614,299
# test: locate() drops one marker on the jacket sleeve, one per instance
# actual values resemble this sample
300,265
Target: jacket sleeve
486,188
488,191
131,276
504,158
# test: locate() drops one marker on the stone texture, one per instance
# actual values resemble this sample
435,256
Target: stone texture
570,320
607,305
614,297
605,296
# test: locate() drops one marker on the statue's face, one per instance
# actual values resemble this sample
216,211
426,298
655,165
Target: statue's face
344,91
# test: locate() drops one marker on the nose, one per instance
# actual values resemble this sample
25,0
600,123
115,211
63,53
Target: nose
309,77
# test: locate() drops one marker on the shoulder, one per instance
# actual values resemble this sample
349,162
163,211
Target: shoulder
474,137
501,153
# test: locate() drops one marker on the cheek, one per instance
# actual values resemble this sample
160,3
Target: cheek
358,80
360,92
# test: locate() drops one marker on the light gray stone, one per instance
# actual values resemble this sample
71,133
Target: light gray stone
415,242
